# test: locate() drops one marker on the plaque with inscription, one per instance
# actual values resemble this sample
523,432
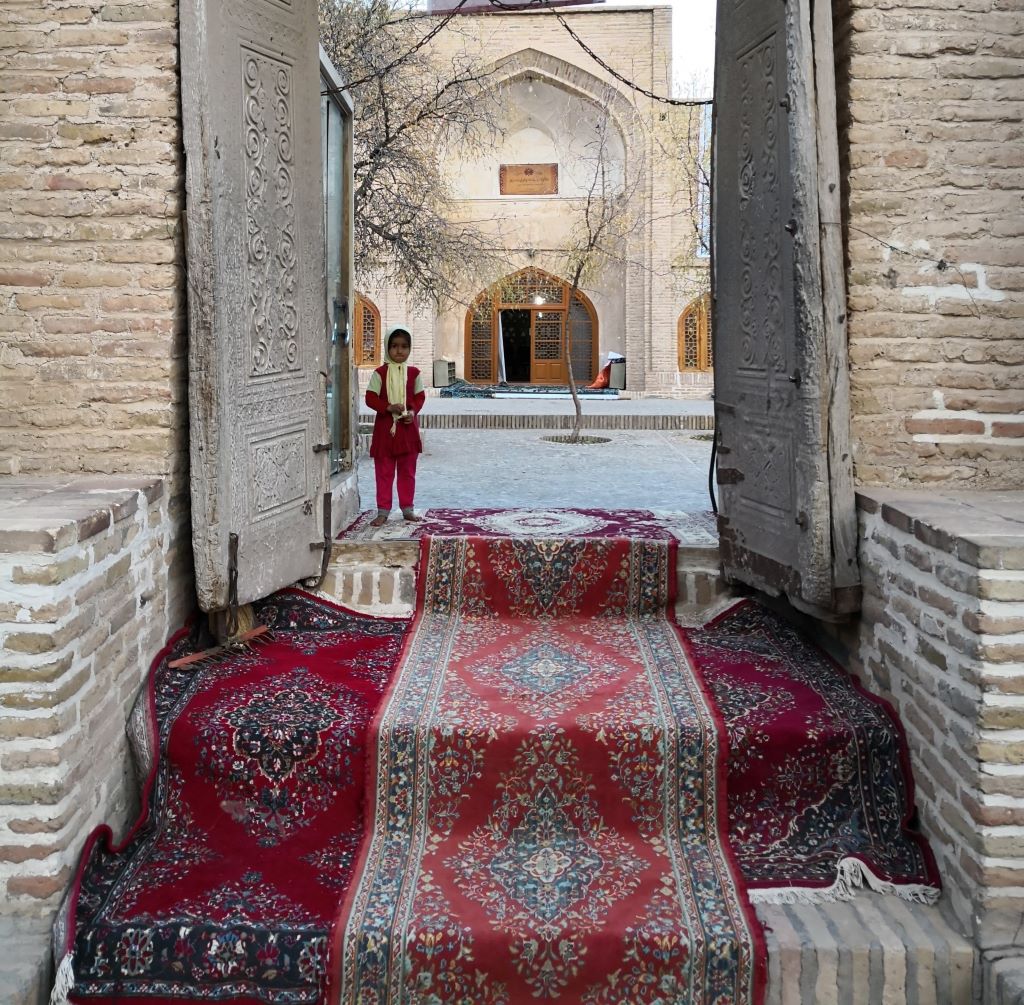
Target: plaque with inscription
528,179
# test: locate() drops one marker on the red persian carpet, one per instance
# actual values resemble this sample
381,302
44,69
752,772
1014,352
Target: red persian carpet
548,811
522,798
575,523
821,796
228,886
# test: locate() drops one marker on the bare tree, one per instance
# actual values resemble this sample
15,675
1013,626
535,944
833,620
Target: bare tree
602,235
412,106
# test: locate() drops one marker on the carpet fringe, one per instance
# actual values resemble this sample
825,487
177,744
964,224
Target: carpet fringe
64,982
851,875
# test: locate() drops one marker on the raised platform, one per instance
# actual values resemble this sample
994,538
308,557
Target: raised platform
373,570
874,950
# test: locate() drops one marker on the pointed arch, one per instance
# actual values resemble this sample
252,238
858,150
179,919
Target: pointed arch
367,334
571,78
693,334
540,293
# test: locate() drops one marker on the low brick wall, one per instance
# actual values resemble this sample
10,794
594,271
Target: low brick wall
942,636
84,606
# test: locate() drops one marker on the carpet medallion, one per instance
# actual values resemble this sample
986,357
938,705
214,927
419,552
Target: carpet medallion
694,528
547,817
227,888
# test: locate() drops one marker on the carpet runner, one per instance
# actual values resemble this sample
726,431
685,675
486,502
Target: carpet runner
548,802
463,389
227,888
693,528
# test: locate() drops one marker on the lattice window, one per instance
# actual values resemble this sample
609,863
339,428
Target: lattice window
547,337
367,332
530,288
694,335
481,339
582,346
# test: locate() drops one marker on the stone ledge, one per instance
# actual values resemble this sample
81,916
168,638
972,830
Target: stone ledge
1004,981
26,971
984,530
47,514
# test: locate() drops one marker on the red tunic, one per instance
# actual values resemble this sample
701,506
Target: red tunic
406,439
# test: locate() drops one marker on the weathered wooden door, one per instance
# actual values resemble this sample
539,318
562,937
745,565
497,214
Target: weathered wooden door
786,514
256,291
547,341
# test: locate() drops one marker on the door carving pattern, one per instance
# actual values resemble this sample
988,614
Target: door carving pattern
783,463
258,323
270,214
760,249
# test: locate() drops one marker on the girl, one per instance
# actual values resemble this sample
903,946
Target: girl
396,394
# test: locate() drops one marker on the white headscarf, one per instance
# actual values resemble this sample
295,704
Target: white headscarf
398,375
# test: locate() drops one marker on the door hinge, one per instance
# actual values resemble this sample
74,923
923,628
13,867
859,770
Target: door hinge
322,545
319,448
801,520
790,227
232,623
795,378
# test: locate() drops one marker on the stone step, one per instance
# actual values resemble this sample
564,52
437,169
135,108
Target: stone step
379,577
26,972
874,950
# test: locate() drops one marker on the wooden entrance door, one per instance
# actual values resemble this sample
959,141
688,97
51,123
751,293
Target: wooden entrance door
787,520
548,348
257,295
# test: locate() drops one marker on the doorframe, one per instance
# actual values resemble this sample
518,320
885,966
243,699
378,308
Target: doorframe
497,305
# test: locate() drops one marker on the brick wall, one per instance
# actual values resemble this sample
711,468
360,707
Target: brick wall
84,606
92,383
931,104
637,42
942,636
92,326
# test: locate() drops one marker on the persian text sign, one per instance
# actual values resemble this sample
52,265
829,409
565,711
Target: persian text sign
528,179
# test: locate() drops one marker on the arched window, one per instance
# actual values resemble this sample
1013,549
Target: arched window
694,334
367,332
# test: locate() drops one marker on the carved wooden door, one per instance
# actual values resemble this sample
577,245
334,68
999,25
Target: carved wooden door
256,291
548,348
786,515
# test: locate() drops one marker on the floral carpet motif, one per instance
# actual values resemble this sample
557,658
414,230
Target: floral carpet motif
696,529
227,888
548,815
821,796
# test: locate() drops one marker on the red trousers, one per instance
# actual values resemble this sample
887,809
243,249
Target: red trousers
384,469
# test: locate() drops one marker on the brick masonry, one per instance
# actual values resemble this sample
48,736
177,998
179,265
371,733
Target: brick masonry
84,606
942,636
92,324
640,297
931,105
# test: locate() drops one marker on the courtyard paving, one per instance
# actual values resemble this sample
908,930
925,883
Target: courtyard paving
634,469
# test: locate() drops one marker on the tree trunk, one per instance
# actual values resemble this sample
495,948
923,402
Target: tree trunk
574,436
